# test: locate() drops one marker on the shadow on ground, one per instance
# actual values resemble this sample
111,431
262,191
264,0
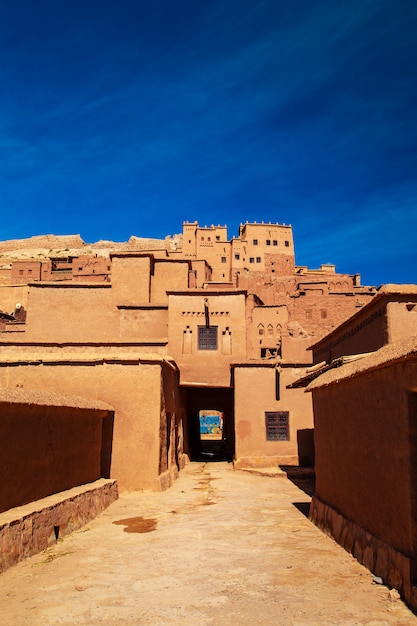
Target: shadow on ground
303,477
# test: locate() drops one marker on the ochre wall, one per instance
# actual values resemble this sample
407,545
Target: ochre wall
402,318
130,277
131,387
10,295
364,435
226,311
366,332
168,275
143,323
254,394
71,313
46,449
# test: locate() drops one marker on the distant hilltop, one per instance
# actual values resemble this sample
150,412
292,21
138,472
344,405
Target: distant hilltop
44,245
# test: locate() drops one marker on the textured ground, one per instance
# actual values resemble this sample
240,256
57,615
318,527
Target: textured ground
220,547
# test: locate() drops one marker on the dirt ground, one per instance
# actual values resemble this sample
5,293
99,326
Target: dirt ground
220,547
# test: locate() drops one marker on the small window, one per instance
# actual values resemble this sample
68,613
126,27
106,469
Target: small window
202,238
255,242
323,313
251,260
258,259
275,242
207,338
268,242
277,426
287,244
237,257
223,259
29,271
21,272
208,238
217,237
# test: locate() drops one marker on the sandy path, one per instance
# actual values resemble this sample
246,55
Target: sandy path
220,547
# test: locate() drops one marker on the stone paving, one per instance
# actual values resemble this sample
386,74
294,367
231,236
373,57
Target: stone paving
220,547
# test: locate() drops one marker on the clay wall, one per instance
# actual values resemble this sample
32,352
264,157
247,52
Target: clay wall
189,242
6,275
365,332
266,326
278,265
46,449
131,276
226,314
172,275
10,295
26,271
212,246
402,318
89,267
143,323
131,386
319,312
261,245
202,272
71,312
258,391
365,439
171,442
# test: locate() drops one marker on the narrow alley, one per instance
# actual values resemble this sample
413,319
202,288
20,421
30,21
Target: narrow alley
220,547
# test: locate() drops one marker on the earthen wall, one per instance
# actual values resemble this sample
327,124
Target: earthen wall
260,389
131,386
71,313
364,436
46,449
226,313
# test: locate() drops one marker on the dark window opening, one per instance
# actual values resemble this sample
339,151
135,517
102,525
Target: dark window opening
207,338
287,244
268,242
269,353
277,426
255,242
223,259
258,259
251,260
237,257
277,385
275,242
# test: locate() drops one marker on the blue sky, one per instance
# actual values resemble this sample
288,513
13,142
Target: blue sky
128,118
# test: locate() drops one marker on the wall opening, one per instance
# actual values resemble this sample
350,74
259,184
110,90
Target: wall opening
209,425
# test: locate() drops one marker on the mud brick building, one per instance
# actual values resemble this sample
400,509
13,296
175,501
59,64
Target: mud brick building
164,331
365,417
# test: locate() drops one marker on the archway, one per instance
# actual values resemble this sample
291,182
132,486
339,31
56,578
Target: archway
209,429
